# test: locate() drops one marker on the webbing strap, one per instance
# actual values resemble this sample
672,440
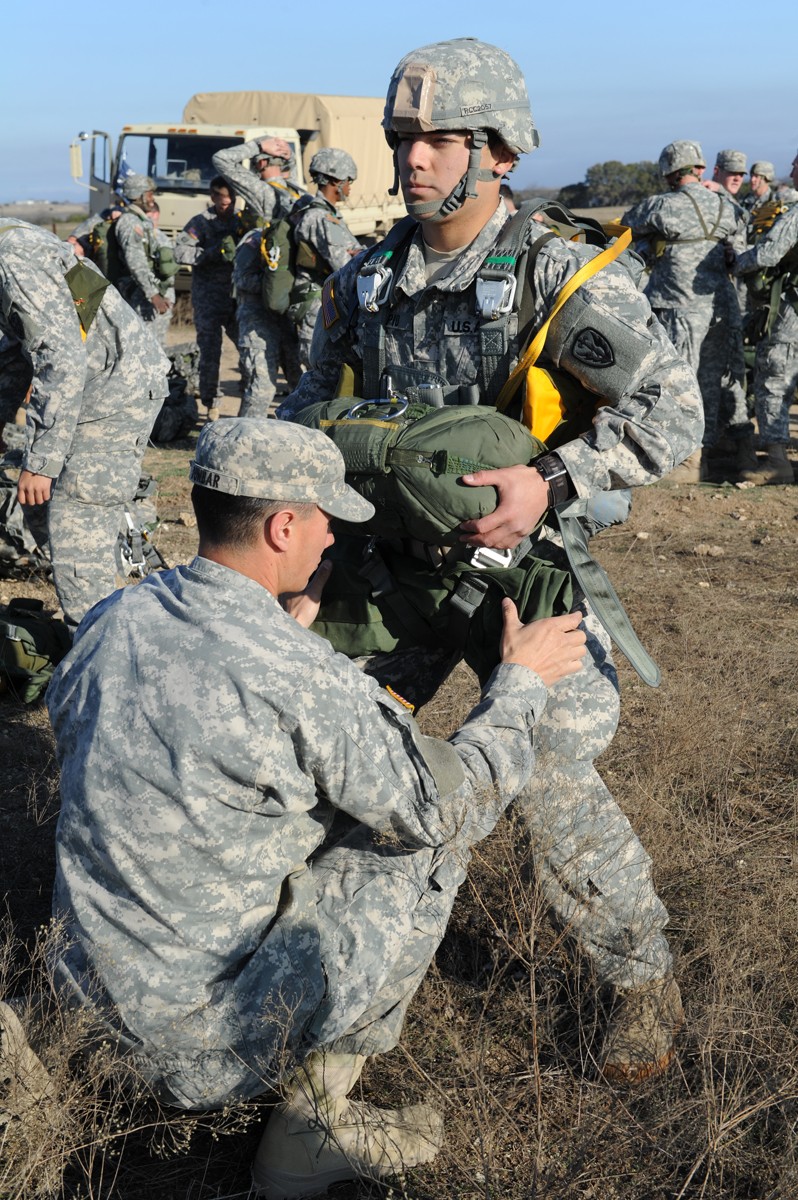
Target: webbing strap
599,592
533,351
709,234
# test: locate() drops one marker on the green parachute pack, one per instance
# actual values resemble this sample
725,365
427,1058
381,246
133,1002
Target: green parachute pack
282,256
32,644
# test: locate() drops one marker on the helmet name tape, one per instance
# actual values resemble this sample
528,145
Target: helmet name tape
468,110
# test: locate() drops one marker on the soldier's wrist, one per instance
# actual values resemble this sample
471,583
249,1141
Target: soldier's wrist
554,474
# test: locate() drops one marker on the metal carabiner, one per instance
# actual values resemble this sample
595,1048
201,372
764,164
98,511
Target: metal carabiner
396,404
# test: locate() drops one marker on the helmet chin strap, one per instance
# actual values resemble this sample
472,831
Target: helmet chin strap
437,210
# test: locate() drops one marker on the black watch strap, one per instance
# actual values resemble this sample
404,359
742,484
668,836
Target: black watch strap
554,471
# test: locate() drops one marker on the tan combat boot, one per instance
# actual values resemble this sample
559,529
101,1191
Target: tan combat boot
640,1036
692,470
776,468
318,1137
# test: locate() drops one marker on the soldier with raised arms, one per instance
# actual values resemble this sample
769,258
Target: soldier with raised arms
457,117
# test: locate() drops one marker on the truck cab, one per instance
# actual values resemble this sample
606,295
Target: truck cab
178,158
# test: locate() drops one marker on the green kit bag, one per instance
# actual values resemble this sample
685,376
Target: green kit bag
32,645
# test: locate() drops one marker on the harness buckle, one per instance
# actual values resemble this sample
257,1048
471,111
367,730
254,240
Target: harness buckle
495,294
485,557
373,285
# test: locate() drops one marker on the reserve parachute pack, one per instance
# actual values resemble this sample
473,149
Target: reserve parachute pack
407,457
771,286
282,255
32,644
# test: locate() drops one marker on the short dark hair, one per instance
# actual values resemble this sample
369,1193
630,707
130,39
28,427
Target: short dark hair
226,520
219,184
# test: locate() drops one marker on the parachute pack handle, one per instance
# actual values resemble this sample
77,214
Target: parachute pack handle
535,348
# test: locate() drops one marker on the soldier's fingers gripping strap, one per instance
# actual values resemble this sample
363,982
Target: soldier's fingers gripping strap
598,348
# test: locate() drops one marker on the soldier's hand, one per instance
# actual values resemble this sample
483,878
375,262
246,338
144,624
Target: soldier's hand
76,246
304,606
523,499
160,303
553,647
276,146
34,489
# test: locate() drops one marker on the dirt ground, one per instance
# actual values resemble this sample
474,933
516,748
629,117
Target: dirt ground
503,1031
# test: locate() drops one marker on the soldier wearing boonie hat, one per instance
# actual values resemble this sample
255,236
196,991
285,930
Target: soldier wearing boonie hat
221,932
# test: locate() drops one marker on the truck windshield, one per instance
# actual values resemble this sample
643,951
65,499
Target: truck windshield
174,161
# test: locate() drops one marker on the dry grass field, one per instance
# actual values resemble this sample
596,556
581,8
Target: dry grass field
504,1030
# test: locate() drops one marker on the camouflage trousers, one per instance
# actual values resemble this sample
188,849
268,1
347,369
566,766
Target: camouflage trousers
710,347
595,875
86,509
266,344
776,378
214,314
305,332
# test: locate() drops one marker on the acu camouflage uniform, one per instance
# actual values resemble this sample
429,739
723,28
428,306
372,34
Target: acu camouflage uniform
595,874
137,240
269,199
322,227
93,404
204,246
776,365
277,872
266,342
691,292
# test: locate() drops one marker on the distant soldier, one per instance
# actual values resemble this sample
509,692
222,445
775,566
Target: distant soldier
776,366
263,185
731,168
323,241
208,245
99,378
687,231
762,177
137,243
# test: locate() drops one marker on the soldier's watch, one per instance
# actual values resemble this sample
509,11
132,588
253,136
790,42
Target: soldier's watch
553,470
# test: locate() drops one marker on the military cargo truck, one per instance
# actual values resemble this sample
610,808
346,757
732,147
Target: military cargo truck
178,156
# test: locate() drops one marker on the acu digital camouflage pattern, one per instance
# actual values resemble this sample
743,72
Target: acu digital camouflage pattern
269,199
332,162
134,186
91,410
733,161
682,233
460,84
677,155
266,343
322,227
595,872
776,366
207,245
137,240
275,873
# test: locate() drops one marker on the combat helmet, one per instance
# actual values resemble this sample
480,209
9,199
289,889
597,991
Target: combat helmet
462,84
680,154
133,186
332,166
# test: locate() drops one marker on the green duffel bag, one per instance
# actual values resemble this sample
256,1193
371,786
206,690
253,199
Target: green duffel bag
408,459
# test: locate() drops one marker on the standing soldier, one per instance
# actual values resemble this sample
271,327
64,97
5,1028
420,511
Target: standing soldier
457,117
137,242
208,245
99,378
731,168
264,185
323,241
687,231
762,176
776,365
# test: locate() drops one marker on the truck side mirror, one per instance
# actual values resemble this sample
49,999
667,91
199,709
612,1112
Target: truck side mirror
76,160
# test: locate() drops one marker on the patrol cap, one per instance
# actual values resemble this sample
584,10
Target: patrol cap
765,170
680,154
275,460
134,186
733,161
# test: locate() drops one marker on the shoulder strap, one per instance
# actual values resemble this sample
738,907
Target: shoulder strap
531,355
374,283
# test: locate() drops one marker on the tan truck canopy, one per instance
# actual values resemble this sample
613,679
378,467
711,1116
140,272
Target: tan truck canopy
351,123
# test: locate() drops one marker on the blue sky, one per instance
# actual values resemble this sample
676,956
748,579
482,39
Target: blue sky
605,81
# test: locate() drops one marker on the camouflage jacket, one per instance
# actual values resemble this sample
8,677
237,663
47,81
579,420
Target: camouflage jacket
137,240
324,229
772,247
182,864
270,199
118,363
652,421
688,268
248,269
